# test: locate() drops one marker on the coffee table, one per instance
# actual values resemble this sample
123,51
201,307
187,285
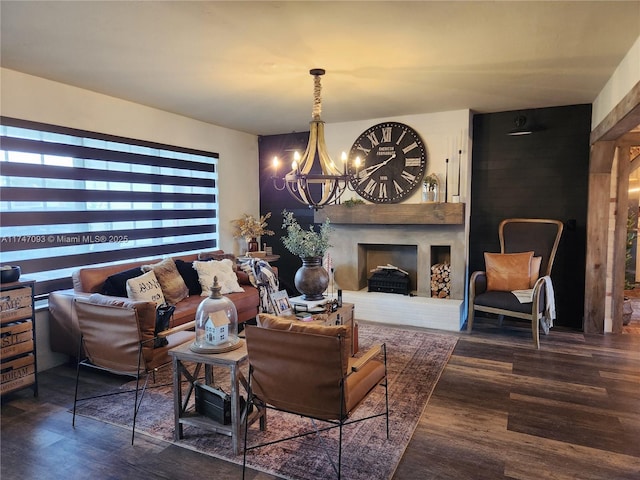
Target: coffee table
185,415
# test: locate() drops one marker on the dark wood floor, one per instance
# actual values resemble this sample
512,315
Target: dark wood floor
501,410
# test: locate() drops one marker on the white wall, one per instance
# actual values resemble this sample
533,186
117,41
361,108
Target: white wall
443,134
32,98
625,77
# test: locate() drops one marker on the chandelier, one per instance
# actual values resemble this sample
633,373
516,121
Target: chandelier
319,186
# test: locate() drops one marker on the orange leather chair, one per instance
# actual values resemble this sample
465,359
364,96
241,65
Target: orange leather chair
307,370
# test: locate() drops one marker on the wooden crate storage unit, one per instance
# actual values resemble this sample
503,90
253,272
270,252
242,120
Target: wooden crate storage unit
18,368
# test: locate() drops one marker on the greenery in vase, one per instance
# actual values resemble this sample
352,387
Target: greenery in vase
431,181
353,202
305,243
250,227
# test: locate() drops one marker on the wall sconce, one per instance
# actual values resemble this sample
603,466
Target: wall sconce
523,126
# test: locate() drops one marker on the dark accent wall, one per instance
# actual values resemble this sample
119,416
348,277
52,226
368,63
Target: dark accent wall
274,201
542,175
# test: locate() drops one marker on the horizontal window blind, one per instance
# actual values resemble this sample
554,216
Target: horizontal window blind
70,198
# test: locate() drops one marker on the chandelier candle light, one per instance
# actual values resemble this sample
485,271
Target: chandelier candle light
314,189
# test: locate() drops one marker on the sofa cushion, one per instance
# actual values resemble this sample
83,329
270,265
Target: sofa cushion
223,269
274,322
502,300
218,255
185,310
145,288
508,271
171,282
245,301
116,284
189,275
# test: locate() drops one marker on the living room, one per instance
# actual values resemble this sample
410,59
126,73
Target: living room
244,168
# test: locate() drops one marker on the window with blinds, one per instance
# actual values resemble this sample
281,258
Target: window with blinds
70,198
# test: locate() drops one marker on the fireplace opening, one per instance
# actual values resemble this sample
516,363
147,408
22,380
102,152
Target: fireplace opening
371,256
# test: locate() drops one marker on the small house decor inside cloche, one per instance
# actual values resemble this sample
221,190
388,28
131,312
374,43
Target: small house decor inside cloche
216,324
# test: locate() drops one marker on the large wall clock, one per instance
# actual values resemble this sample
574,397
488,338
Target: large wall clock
393,162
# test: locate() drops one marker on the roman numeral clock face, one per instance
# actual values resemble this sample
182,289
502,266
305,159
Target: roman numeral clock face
393,163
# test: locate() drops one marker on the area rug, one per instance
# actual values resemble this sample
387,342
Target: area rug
415,361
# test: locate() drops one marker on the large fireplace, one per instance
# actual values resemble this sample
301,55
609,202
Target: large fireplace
364,238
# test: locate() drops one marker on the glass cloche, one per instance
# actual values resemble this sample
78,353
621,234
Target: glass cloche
216,324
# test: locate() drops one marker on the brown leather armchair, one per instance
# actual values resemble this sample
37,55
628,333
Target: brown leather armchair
307,370
127,346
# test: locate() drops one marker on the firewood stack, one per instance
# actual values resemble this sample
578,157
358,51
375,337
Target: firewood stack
440,280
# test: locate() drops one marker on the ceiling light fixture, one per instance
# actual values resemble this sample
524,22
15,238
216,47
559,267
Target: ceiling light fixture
319,186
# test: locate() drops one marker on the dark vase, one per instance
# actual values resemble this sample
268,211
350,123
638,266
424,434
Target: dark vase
311,279
252,245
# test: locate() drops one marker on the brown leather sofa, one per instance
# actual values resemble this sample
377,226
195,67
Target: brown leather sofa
88,283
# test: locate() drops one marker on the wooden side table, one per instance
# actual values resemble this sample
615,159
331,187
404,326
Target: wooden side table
232,360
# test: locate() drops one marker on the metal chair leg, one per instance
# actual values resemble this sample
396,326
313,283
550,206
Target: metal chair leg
246,422
75,395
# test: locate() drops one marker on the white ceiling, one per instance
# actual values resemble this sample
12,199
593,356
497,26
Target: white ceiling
245,65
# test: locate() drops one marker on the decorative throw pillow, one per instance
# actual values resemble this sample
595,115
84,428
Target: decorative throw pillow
274,322
223,269
508,271
173,286
146,288
189,275
534,274
116,284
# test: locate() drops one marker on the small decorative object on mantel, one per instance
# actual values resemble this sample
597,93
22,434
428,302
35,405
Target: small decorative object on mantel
353,202
251,228
311,279
430,188
456,198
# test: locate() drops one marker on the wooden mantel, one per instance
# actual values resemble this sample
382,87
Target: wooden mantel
393,214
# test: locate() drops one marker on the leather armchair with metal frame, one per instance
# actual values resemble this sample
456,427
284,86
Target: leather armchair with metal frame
307,370
127,346
516,235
